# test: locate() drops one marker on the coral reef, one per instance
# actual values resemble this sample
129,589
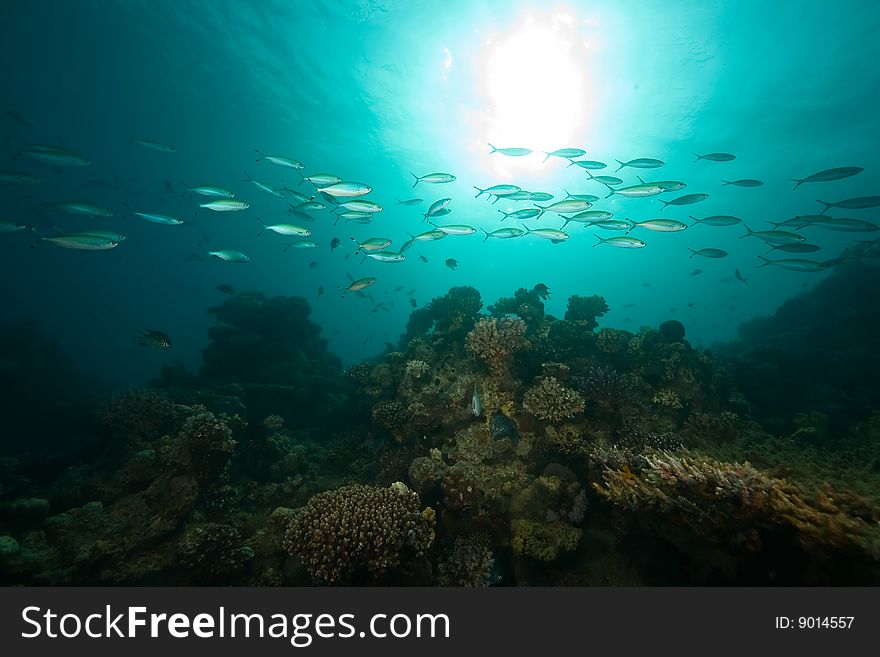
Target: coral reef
495,341
359,529
548,400
584,311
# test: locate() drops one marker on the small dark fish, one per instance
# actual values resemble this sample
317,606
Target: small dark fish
412,302
541,290
320,291
696,272
452,263
154,339
399,288
410,293
314,264
422,258
739,276
628,305
225,288
334,243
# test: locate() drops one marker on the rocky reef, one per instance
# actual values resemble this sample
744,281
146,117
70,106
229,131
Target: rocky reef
496,447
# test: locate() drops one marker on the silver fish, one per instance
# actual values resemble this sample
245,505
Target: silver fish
476,405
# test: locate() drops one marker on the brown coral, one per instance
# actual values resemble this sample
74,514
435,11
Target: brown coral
495,341
358,529
548,400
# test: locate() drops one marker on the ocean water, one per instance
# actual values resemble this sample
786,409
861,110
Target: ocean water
377,91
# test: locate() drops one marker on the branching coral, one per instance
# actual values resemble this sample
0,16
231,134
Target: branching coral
585,310
137,415
525,304
358,529
389,414
710,496
548,400
495,341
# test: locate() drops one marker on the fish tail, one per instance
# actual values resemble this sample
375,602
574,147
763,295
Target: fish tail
131,138
767,261
693,253
247,177
749,231
589,175
797,183
699,157
504,214
186,191
487,234
632,225
827,206
599,242
610,193
570,162
695,219
262,157
665,203
548,156
725,183
418,180
493,149
480,192
526,228
565,224
620,167
567,193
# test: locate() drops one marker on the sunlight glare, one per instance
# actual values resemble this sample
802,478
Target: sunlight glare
535,83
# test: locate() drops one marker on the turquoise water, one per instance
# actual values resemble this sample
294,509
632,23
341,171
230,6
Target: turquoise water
372,91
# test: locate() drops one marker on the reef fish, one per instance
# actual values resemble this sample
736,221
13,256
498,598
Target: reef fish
715,157
748,182
433,178
828,175
503,233
773,236
280,160
660,225
225,205
687,199
229,255
718,220
452,263
476,404
373,244
708,253
795,264
151,144
359,284
859,203
621,242
510,152
641,163
565,153
154,339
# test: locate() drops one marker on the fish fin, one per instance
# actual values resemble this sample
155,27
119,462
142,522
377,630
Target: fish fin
131,138
641,180
797,183
749,231
665,203
725,182
526,227
699,157
620,167
827,206
599,242
565,224
610,193
418,180
487,234
546,158
767,261
480,192
694,218
693,253
589,175
262,157
493,149
570,162
567,193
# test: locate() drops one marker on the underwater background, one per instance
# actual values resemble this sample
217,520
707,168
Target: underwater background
195,392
